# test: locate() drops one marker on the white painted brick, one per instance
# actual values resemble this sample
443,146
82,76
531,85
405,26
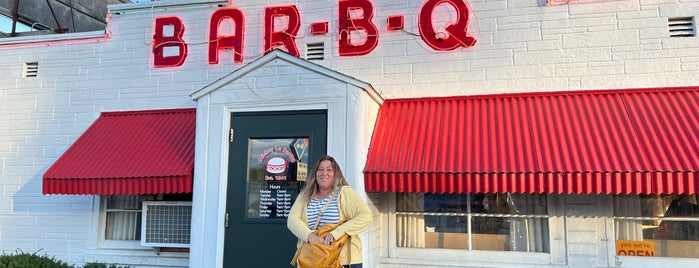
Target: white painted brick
529,71
642,23
605,19
656,2
640,47
586,70
515,36
690,43
690,66
680,10
636,54
482,25
604,28
449,77
480,6
640,80
689,59
548,32
636,14
602,7
429,68
654,33
487,63
516,26
601,39
519,3
545,45
562,56
645,66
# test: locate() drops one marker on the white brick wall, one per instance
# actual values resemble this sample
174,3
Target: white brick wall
522,46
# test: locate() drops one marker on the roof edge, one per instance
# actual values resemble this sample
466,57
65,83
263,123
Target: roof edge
280,54
553,93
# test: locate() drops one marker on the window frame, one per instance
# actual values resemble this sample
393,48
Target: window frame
430,256
644,261
105,243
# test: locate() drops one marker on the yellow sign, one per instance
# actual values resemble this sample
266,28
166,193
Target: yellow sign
635,248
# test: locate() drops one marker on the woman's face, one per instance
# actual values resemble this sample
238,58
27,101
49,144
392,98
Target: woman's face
325,175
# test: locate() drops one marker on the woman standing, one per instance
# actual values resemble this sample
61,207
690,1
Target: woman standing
325,182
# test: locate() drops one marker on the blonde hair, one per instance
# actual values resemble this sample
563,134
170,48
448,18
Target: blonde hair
312,186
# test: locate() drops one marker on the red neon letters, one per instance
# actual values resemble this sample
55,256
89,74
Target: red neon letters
455,35
160,42
234,41
346,25
227,30
286,37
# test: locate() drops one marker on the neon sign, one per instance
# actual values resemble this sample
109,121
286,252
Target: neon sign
354,19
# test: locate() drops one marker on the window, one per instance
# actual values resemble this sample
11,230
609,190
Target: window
657,225
123,214
122,218
494,222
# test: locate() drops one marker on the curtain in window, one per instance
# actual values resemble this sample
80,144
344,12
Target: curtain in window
410,228
628,206
528,234
123,218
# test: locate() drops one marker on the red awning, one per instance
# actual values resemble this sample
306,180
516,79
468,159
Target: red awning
611,142
123,153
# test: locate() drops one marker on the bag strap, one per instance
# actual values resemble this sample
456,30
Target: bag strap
320,214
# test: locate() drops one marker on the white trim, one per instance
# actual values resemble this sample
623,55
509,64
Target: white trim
47,38
282,55
163,5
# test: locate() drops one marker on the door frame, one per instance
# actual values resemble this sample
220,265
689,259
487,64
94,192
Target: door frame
225,117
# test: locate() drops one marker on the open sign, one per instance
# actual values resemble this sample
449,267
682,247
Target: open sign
635,248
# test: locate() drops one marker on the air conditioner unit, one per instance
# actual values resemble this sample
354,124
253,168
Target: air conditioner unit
166,224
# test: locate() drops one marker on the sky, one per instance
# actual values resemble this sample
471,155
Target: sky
6,25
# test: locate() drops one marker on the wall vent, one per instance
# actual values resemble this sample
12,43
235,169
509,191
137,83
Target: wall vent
315,51
166,224
681,27
31,69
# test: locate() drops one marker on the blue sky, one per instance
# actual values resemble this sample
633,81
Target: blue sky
6,25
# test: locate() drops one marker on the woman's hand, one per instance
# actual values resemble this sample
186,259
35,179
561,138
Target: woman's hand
327,239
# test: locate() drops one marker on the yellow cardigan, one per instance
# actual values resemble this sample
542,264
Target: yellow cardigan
351,206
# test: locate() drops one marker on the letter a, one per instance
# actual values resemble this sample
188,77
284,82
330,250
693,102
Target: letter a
234,42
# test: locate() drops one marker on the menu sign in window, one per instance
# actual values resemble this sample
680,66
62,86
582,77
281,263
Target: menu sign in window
275,202
276,173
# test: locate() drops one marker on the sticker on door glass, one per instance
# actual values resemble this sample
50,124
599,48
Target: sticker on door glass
277,170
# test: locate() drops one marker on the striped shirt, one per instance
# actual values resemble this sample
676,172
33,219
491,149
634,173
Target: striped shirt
331,214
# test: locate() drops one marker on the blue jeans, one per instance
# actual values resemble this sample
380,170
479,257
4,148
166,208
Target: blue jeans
356,265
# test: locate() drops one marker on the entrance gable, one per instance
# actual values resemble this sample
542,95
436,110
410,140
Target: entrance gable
279,75
283,84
